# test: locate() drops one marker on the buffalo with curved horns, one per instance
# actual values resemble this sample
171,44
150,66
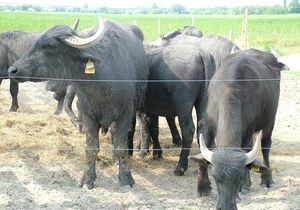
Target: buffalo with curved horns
107,70
242,100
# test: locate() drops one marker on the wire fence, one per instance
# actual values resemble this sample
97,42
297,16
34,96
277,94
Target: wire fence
3,150
153,81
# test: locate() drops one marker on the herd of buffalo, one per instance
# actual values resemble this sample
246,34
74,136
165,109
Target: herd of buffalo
117,78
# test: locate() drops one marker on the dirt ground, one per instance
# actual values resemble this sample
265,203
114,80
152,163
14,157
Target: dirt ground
42,159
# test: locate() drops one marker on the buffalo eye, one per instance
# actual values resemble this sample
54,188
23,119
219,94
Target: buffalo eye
47,46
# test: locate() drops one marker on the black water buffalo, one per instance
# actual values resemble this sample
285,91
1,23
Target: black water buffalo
12,46
186,31
113,55
143,142
175,87
242,100
217,46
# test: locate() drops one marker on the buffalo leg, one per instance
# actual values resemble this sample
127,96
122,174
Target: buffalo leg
60,106
144,139
69,98
154,131
266,142
91,151
204,185
188,129
175,134
14,90
119,134
131,132
246,180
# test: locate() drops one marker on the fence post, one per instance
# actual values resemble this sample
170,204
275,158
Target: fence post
244,30
158,28
134,22
230,35
193,20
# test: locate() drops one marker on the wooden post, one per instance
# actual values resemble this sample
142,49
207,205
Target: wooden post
158,28
193,20
242,33
230,35
244,30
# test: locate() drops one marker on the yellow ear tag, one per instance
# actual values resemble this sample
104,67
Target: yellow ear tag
255,169
90,67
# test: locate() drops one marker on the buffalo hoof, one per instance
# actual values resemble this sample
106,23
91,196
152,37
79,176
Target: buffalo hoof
13,108
157,155
204,189
126,179
266,180
179,171
177,142
87,180
143,153
244,190
57,112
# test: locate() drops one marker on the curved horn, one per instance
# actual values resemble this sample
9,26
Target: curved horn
76,24
232,50
207,154
253,153
78,42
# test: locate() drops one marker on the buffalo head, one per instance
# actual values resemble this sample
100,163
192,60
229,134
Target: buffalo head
228,169
57,52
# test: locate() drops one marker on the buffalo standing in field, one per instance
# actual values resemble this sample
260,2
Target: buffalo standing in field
12,46
175,87
144,141
242,100
217,46
185,31
114,55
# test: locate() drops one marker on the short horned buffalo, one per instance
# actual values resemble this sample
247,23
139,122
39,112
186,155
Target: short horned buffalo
178,78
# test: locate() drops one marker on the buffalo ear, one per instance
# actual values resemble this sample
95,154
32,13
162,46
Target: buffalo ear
280,65
85,56
198,158
283,67
258,167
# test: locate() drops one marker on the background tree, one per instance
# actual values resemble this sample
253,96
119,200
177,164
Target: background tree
177,8
294,6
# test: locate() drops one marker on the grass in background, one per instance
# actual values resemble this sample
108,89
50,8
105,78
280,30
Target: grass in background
281,32
294,74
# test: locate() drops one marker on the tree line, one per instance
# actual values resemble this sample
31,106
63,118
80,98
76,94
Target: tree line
293,7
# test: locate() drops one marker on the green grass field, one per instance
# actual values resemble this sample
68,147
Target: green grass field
280,31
